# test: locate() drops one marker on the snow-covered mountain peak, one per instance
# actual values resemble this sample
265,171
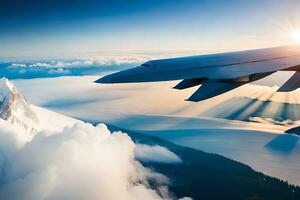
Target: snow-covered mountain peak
6,87
15,109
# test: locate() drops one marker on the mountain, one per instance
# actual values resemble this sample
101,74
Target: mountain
16,109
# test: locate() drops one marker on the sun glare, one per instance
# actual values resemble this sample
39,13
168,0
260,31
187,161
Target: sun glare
296,36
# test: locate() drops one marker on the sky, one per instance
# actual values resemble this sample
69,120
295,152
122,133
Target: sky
32,29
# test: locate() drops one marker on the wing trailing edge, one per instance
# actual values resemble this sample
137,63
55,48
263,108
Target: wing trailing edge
211,89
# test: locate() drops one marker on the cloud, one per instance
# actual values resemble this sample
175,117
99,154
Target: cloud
117,60
59,71
74,67
39,64
156,153
14,65
81,162
87,62
286,122
186,198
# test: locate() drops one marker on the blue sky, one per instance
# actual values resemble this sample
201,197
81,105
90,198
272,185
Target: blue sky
51,28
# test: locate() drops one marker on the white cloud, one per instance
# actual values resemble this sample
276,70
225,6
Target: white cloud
39,64
186,198
286,122
59,71
155,154
14,65
117,60
81,162
86,62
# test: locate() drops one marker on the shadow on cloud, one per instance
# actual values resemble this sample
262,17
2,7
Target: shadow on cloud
248,109
283,143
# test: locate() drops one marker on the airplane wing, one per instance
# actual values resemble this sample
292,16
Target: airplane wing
218,73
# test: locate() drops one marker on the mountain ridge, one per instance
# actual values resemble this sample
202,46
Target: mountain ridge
15,109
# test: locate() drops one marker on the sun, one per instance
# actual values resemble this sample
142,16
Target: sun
296,36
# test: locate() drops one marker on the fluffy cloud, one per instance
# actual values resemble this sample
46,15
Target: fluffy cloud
87,62
59,71
14,65
81,162
156,153
186,198
75,67
286,122
117,60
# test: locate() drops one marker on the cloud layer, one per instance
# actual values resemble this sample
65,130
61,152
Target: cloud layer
156,153
88,62
81,162
81,66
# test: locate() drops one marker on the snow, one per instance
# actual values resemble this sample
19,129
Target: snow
5,87
52,121
16,109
